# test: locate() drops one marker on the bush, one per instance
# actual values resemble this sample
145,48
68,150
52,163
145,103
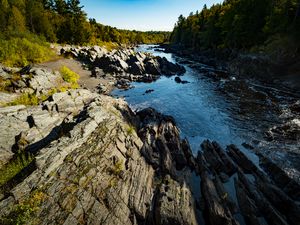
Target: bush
20,51
25,99
70,76
24,211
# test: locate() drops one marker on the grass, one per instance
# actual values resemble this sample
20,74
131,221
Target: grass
22,51
23,213
28,99
70,76
25,99
117,168
5,84
8,171
130,130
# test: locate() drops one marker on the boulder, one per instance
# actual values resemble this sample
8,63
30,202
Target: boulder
152,67
136,68
174,204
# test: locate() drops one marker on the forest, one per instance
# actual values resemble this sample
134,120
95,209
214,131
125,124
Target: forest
239,24
28,26
64,21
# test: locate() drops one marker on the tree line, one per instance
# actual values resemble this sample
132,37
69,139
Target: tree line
238,24
64,21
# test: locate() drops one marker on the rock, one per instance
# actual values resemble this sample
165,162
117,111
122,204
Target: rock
217,214
174,204
97,72
287,184
102,89
137,68
265,208
95,173
281,201
189,155
295,107
168,68
122,84
162,143
152,67
10,127
149,91
240,158
43,79
248,208
178,80
143,67
217,159
25,70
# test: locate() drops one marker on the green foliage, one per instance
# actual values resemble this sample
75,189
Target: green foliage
70,76
25,99
18,163
33,99
23,213
65,22
18,51
117,168
238,24
130,130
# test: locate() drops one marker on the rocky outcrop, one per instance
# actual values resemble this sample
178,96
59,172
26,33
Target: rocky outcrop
97,162
259,200
95,170
124,63
108,165
37,126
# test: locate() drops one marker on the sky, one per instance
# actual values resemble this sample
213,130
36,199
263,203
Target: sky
143,15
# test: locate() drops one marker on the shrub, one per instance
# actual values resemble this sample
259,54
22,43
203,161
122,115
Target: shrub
130,130
117,168
23,212
70,76
21,51
25,99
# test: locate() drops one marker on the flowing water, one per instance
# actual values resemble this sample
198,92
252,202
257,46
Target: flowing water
228,111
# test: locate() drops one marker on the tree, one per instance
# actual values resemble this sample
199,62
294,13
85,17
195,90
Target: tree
16,21
60,7
4,7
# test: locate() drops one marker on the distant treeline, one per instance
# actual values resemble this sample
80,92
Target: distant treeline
64,21
238,24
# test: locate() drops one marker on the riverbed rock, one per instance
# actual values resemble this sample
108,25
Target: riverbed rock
125,61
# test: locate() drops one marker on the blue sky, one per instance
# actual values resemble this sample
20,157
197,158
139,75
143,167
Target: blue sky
142,14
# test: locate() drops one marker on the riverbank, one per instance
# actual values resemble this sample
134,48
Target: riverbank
280,68
93,160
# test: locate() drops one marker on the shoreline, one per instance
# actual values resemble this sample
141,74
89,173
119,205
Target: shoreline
100,162
244,65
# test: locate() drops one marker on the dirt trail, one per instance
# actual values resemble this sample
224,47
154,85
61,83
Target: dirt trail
85,81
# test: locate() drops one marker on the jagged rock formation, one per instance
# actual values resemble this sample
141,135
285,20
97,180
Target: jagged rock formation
112,166
97,162
96,172
124,63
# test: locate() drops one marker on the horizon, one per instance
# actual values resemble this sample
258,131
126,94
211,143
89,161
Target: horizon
152,15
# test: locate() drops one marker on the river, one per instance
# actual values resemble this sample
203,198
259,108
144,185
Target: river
228,111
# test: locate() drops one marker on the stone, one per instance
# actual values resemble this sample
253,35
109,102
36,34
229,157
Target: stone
174,204
217,214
